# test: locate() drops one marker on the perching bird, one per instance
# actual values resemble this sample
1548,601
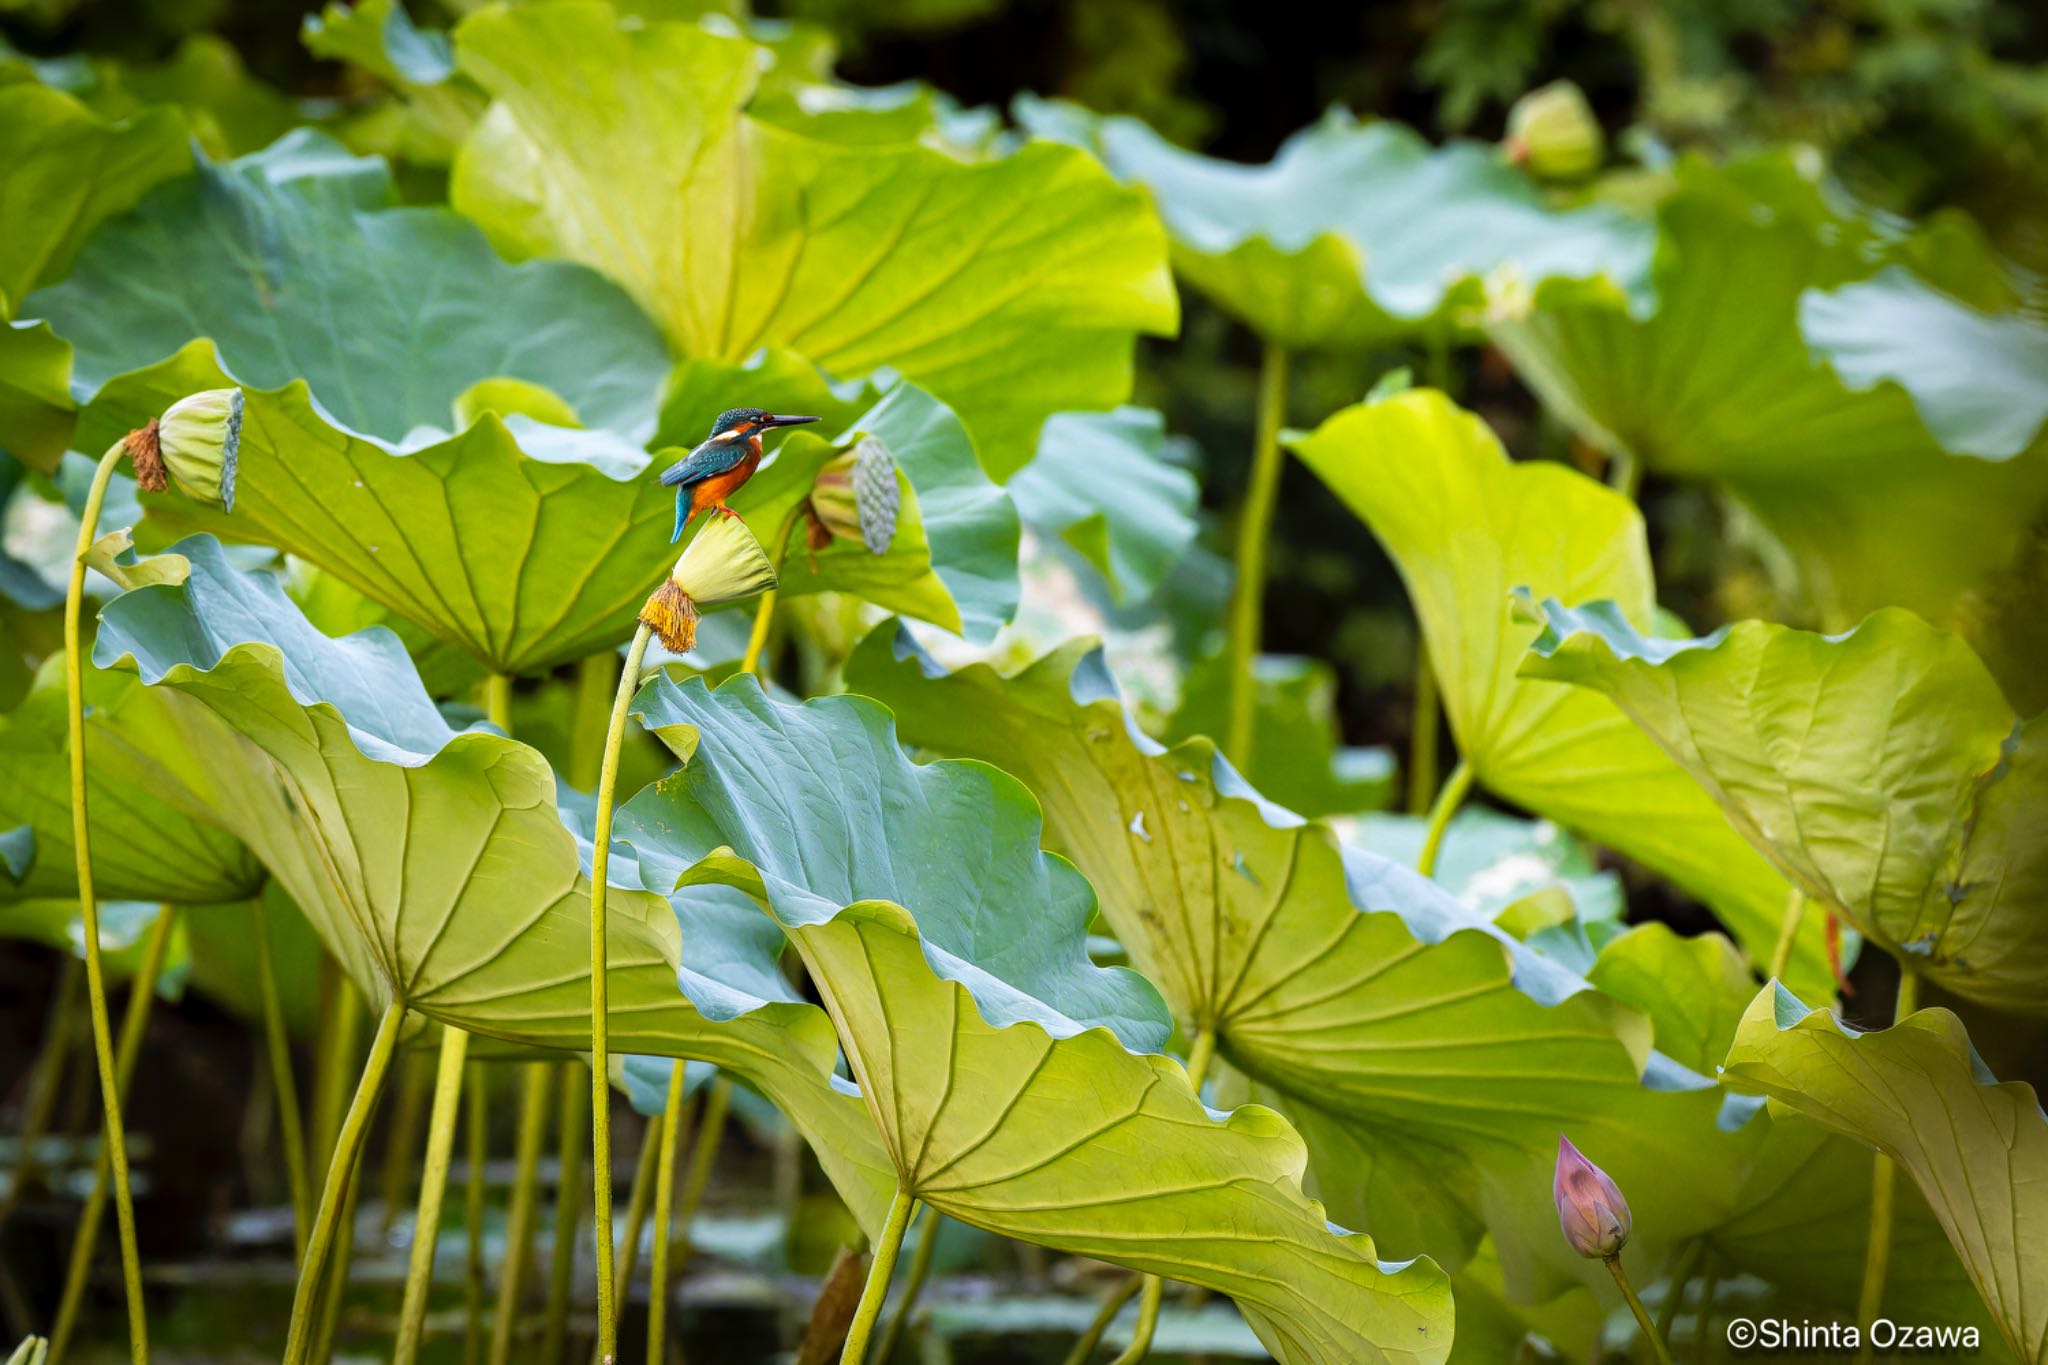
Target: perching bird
714,471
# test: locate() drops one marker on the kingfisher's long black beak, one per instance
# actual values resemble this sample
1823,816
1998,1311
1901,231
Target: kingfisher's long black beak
773,421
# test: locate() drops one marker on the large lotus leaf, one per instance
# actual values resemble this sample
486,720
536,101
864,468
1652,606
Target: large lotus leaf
506,541
143,846
1917,1092
1351,234
433,863
1882,770
1428,1059
1011,289
1017,1087
36,411
1489,861
65,171
1103,483
293,262
1727,379
1466,526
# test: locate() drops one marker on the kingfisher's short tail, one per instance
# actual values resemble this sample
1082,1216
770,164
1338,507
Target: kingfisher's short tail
683,514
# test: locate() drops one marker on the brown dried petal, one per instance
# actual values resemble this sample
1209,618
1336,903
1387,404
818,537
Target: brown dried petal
146,453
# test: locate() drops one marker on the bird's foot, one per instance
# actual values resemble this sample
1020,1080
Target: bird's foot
725,511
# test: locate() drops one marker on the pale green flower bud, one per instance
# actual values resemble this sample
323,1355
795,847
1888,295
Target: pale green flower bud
855,497
1553,133
722,563
196,442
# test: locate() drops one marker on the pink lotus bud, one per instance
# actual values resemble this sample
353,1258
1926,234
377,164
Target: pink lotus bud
1590,1208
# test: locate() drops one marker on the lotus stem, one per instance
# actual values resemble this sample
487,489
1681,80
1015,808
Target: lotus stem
1624,474
1635,1306
652,1137
1884,1178
1674,1297
920,1271
336,1288
1104,1316
533,1122
1422,727
1147,1324
344,1022
569,1119
476,1139
764,614
401,1143
46,1075
1247,605
426,1227
278,1046
664,1205
134,1023
596,678
710,1133
600,1023
1447,803
877,1288
1788,932
334,1194
1710,1280
88,906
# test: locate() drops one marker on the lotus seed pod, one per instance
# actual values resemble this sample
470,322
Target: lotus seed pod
1553,133
198,441
855,497
1590,1209
722,563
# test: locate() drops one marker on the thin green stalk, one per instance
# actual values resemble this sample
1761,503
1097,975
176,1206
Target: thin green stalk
600,1019
764,614
1674,1297
1788,932
134,1023
426,1226
596,678
664,1210
1247,605
1148,1323
1422,728
341,1033
710,1133
278,1046
335,1292
1884,1176
498,701
1710,1280
1447,803
877,1288
1084,1348
334,1193
476,1142
402,1142
1635,1306
1624,474
569,1119
920,1271
652,1138
88,906
533,1122
46,1076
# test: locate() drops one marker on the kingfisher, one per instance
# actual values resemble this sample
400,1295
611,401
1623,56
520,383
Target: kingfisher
714,471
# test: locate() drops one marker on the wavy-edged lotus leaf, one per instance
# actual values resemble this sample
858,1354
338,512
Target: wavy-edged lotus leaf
1490,860
527,545
1017,1087
1011,288
1930,841
66,171
146,845
1465,525
380,37
433,863
1977,1149
1352,234
294,262
1727,378
37,414
1103,482
1428,1059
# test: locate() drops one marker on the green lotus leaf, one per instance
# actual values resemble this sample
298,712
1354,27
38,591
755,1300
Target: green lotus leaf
1489,861
1301,760
1929,841
1978,1150
380,37
124,931
1010,289
1103,483
1352,234
295,264
1465,525
65,172
1759,368
1693,989
146,845
1017,1087
1427,1058
222,947
36,411
434,863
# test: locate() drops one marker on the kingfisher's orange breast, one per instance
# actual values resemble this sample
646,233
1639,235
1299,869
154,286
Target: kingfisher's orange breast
713,492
